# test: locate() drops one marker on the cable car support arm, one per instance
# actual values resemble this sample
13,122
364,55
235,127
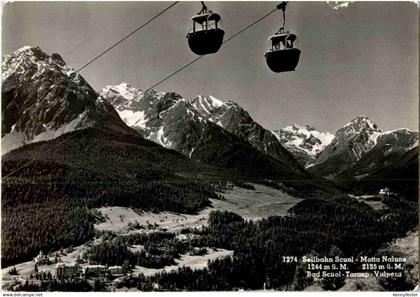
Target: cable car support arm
204,8
282,7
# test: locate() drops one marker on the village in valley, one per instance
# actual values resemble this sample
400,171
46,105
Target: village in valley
60,266
71,264
74,264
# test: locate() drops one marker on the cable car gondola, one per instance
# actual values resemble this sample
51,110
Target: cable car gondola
206,36
282,55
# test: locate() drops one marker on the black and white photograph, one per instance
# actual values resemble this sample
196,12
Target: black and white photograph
263,146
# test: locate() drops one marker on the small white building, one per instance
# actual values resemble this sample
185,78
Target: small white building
63,271
41,259
385,192
94,269
115,270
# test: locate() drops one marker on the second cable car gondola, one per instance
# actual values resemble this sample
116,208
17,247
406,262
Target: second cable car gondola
206,36
282,55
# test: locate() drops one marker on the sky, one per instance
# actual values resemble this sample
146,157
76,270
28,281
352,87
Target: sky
358,60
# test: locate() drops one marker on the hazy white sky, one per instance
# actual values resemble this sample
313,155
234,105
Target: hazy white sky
362,59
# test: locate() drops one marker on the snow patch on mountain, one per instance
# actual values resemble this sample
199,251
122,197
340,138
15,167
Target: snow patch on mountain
16,139
399,130
206,105
133,118
149,112
162,139
414,145
373,137
216,102
124,92
336,5
54,133
43,98
304,142
13,140
124,89
298,136
402,139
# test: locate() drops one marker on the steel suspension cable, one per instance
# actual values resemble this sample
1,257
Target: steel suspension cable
224,42
158,83
128,35
84,66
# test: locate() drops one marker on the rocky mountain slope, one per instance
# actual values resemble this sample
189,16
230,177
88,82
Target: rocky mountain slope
363,159
360,148
304,142
350,144
224,134
43,98
392,163
205,129
233,118
390,145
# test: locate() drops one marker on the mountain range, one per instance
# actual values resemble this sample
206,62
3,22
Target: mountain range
360,147
180,124
359,157
391,163
43,99
190,127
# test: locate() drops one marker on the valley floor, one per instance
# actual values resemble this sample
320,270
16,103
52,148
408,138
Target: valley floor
373,201
187,260
256,204
248,203
251,204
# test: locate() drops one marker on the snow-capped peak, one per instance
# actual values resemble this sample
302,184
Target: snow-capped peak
304,142
123,90
216,102
152,113
402,138
25,48
362,121
34,60
399,130
363,130
43,98
206,104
